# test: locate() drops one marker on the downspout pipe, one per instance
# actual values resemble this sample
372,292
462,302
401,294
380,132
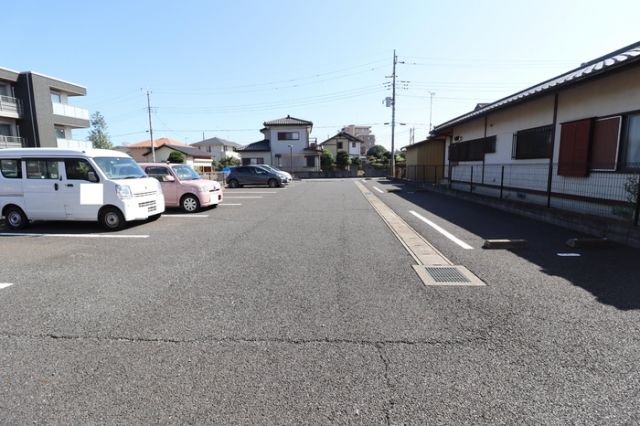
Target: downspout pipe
553,141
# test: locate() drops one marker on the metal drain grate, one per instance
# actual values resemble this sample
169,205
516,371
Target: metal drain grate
447,275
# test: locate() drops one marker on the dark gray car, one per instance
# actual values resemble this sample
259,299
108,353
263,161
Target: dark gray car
252,175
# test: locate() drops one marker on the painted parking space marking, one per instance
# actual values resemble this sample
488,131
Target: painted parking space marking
5,285
569,254
444,232
188,216
230,204
378,189
432,267
240,197
252,192
28,234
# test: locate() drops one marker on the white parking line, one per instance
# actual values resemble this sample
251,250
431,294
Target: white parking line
188,216
5,285
442,231
378,189
240,197
569,254
230,204
255,192
26,234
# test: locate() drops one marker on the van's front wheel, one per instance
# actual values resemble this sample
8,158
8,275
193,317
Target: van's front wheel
111,218
16,219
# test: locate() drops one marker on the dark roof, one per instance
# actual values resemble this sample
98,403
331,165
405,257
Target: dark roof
287,121
259,146
187,150
620,58
215,142
345,135
424,142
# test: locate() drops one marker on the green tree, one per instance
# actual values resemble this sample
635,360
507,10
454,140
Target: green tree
176,157
342,160
327,162
377,151
98,135
228,161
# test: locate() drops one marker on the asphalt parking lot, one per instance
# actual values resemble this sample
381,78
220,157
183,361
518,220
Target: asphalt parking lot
300,305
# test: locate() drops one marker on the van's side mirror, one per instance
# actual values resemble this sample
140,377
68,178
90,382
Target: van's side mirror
91,177
168,178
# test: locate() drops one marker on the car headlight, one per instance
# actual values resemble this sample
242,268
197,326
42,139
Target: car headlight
124,192
203,188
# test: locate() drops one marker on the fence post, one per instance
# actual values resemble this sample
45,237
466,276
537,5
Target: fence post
450,177
637,212
471,181
435,175
501,181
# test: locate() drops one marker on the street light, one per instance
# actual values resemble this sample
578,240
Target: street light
431,94
291,159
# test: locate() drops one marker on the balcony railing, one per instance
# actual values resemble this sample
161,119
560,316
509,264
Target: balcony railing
11,141
70,111
73,144
10,106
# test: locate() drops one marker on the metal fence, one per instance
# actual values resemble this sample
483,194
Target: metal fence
607,194
217,176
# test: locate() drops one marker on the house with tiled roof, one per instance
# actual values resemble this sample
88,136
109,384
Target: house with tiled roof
218,148
286,145
139,150
570,142
343,141
200,160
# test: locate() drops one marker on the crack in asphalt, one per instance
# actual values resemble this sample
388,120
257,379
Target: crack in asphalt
373,343
385,362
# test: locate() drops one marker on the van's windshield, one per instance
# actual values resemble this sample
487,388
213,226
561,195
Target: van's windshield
119,168
185,172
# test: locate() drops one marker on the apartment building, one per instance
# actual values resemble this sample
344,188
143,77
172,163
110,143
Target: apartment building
35,111
364,134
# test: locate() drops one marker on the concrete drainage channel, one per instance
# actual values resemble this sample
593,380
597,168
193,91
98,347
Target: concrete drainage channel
432,267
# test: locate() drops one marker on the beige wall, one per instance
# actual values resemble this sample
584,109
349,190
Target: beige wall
615,94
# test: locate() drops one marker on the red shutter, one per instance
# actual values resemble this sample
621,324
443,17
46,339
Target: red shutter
604,147
574,148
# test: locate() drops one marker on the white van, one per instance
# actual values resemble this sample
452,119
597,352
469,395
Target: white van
73,184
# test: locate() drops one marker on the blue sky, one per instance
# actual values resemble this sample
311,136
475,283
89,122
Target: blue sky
222,68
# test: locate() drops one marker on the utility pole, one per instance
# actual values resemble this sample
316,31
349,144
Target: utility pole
393,115
153,147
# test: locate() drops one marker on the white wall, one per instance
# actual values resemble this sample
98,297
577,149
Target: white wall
354,152
616,94
282,147
504,124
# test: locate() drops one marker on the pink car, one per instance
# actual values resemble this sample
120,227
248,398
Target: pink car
183,187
